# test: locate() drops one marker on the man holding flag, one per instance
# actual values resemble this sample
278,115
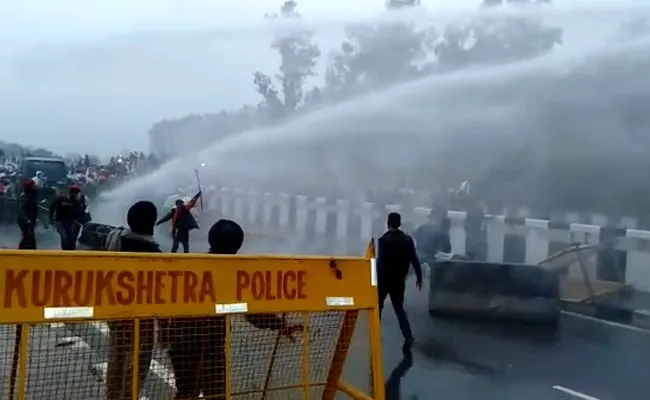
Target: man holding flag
182,222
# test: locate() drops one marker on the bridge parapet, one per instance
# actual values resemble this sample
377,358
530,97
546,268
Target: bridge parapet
345,225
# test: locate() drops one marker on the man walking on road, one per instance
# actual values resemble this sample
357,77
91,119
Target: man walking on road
395,254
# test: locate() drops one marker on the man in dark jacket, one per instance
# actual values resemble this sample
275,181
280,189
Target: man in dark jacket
395,255
433,237
138,238
182,222
197,347
28,215
67,214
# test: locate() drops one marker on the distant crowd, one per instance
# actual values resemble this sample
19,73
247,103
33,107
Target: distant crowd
97,176
89,173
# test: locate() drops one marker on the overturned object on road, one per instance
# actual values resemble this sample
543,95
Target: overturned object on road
500,291
587,272
93,236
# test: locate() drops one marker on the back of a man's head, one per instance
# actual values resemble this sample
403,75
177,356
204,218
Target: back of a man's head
142,217
225,237
394,220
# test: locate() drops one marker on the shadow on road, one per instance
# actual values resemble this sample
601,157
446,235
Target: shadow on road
394,381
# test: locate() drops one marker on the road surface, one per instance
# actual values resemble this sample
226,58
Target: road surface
452,360
584,359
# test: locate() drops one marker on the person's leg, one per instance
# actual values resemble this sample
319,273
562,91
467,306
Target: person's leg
70,235
60,229
66,235
119,352
174,242
120,367
74,235
185,240
22,224
382,292
29,240
213,375
397,298
185,356
146,350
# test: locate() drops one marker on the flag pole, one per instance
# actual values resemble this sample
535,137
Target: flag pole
198,183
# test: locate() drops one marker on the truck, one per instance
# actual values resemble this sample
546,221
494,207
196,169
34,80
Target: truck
54,168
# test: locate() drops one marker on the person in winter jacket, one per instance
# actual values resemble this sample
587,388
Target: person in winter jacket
395,255
182,222
433,237
138,238
197,347
28,215
67,213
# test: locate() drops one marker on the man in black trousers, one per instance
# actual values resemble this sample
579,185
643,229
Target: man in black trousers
395,254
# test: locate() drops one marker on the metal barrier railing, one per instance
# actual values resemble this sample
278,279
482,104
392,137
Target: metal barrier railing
78,324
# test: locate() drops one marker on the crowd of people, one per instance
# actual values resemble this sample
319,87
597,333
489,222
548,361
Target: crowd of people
95,176
64,200
91,174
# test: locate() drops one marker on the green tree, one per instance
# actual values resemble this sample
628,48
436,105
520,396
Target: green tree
495,40
376,55
298,57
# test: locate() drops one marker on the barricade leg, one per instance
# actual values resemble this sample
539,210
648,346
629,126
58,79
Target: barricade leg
340,353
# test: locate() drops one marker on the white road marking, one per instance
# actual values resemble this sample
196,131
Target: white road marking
160,370
606,322
101,326
574,393
102,368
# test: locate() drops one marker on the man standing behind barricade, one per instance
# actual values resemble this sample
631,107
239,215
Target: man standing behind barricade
395,254
138,238
28,215
66,213
182,222
433,237
197,347
474,224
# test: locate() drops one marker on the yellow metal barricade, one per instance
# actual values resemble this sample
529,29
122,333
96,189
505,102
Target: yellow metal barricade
76,325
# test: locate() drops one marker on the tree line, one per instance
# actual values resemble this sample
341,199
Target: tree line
373,55
558,169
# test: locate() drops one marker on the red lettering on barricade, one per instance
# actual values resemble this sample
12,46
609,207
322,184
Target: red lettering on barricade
126,295
272,285
61,288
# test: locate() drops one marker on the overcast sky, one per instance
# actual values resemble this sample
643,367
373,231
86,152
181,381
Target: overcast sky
67,83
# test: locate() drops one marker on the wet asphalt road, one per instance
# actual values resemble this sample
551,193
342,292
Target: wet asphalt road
460,360
452,360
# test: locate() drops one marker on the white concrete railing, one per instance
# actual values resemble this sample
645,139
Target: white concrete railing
355,222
